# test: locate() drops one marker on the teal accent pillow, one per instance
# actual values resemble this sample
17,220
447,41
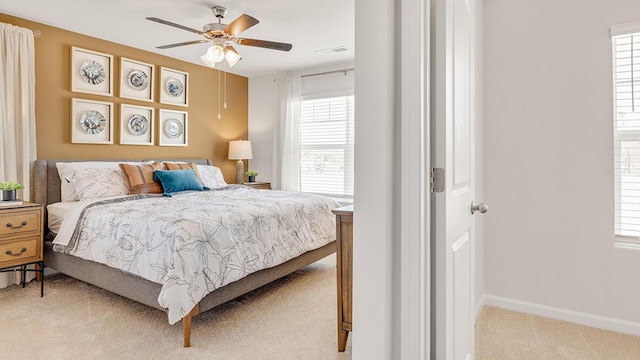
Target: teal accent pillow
174,181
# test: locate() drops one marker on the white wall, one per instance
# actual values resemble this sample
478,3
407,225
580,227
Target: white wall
263,117
548,158
263,113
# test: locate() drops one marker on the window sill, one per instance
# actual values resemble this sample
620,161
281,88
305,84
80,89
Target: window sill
627,243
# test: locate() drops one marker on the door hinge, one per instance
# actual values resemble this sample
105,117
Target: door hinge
437,180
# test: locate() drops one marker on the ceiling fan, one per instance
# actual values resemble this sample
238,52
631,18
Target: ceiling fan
223,37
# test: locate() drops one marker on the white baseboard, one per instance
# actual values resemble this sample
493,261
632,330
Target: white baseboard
479,307
596,321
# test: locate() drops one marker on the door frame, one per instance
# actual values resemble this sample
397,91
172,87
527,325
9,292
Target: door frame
392,258
414,225
391,245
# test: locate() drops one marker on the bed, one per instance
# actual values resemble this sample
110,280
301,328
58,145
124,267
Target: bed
47,191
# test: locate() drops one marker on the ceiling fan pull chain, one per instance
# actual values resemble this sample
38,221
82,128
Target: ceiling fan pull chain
225,89
219,113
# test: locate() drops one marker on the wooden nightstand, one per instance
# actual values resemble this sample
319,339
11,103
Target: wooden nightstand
21,241
344,270
258,185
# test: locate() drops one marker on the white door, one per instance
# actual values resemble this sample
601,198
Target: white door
453,151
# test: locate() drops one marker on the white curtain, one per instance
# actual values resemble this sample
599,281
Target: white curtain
287,149
17,113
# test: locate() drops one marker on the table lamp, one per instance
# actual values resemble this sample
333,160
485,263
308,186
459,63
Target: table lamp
240,150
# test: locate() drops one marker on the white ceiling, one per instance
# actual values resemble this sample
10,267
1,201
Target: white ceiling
308,25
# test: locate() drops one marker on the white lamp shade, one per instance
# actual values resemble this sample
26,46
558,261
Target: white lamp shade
207,61
231,55
240,149
216,52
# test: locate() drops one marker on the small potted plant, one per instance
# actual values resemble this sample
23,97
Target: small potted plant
9,190
252,175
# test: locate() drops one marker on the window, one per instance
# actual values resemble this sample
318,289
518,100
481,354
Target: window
326,146
626,106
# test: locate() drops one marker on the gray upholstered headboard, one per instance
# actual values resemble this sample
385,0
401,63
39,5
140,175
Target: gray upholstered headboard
46,181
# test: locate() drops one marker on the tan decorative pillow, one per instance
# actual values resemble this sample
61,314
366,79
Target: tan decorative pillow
183,166
140,178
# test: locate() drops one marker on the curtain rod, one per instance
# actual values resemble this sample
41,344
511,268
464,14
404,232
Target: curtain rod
36,33
344,71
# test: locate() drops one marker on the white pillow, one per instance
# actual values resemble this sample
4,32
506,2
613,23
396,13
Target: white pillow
211,176
98,183
67,169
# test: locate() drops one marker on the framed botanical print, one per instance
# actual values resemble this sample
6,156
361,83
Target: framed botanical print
136,80
91,72
173,128
174,87
91,122
136,125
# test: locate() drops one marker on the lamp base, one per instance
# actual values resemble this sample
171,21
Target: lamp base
239,172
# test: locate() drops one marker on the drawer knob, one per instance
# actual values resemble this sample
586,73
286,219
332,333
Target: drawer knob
10,225
8,252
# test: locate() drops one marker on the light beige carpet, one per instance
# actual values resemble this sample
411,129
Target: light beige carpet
505,335
293,318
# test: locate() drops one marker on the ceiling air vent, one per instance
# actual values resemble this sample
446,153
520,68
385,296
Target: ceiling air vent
337,49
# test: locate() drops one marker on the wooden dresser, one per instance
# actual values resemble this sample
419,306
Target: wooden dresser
21,241
344,269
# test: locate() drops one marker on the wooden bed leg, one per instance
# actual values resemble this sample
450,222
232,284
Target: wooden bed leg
186,324
38,276
342,339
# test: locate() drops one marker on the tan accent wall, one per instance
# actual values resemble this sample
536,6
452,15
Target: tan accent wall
208,137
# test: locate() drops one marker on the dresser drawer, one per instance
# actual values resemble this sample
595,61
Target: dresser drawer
21,251
20,222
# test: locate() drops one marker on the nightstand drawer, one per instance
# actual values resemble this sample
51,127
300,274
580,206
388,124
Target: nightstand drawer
20,251
20,222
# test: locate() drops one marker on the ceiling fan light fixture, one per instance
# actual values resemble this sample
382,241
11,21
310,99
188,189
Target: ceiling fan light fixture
222,35
215,53
231,55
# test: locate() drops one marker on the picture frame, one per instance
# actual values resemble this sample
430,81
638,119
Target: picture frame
136,125
91,72
174,87
91,122
136,80
173,128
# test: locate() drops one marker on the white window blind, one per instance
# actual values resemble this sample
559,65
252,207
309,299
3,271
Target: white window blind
326,144
626,79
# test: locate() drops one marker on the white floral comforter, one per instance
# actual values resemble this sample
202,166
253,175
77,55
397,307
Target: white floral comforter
195,242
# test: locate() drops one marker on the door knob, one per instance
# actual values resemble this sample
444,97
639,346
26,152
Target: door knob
482,207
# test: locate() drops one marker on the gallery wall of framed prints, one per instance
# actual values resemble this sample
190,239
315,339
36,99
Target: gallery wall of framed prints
92,121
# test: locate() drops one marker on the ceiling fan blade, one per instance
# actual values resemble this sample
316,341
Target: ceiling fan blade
264,44
242,23
174,25
169,46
